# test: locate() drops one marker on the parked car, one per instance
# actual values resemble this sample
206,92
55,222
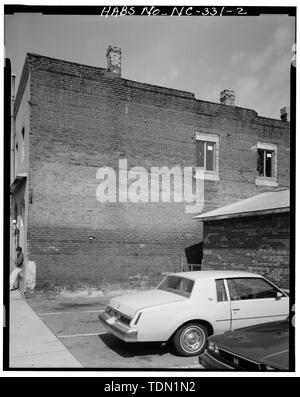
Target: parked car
263,347
187,307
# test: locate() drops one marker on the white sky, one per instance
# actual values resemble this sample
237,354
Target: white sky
250,55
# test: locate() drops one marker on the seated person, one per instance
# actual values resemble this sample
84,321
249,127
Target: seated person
15,274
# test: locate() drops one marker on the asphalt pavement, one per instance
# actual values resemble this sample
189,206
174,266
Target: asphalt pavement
74,322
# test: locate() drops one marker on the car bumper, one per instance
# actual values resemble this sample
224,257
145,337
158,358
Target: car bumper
119,330
210,362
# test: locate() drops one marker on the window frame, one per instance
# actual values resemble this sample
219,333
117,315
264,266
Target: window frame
263,179
186,294
225,290
251,278
202,172
265,155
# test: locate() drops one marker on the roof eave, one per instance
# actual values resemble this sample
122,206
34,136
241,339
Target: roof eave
242,214
21,87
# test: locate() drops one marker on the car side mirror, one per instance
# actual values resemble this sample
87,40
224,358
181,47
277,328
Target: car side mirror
279,295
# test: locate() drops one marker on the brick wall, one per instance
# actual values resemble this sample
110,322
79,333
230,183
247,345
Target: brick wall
83,118
20,159
259,244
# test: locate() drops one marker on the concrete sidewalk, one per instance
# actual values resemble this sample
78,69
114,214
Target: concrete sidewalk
31,343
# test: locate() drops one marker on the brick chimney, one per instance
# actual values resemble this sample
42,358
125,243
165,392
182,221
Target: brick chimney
113,56
285,113
227,97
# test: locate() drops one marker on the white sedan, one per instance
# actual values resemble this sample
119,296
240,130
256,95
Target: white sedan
187,307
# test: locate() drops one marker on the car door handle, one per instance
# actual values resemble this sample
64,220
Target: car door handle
235,310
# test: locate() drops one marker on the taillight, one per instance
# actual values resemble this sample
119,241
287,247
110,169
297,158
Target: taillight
109,311
137,319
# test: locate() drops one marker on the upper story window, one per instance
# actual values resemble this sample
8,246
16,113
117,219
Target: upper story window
22,144
266,164
265,158
207,156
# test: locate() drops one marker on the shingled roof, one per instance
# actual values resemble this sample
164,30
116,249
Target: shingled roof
261,204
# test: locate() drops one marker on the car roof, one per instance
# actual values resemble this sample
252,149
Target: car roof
213,274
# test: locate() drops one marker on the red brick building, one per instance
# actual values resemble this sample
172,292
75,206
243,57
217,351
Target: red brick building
70,119
252,234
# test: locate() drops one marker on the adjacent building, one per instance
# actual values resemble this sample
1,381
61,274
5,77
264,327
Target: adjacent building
252,234
71,119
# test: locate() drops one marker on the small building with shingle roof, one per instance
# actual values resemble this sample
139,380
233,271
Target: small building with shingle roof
251,235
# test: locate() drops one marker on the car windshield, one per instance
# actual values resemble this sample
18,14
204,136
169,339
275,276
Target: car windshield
178,285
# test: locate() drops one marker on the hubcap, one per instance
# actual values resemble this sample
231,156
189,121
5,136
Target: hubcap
192,339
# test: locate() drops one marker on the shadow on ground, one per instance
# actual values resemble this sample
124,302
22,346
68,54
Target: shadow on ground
140,349
74,305
43,305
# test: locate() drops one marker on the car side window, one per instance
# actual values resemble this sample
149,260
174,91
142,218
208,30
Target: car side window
250,288
221,291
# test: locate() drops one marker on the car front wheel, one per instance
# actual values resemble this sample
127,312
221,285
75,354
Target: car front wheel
190,339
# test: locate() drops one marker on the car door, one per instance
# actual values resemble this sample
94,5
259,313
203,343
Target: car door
254,300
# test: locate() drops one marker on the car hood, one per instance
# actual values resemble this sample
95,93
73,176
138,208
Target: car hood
264,343
130,303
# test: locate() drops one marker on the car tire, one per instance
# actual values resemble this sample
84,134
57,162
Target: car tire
190,339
